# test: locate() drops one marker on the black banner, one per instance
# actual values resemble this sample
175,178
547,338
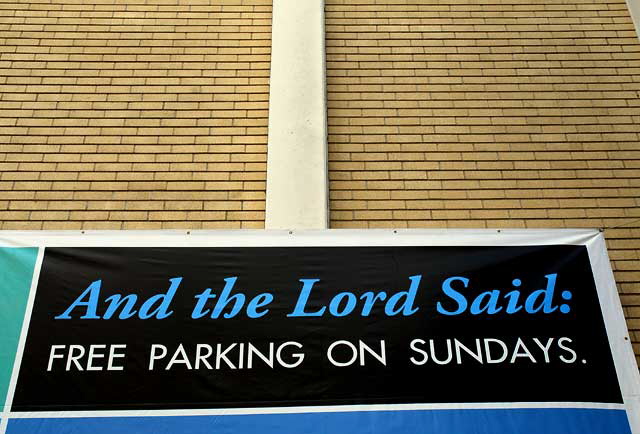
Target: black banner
153,328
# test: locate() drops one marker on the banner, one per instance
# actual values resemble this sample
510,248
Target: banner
313,332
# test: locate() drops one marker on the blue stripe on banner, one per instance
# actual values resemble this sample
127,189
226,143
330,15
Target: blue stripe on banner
463,421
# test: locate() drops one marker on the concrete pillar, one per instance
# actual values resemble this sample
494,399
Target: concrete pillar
634,10
297,176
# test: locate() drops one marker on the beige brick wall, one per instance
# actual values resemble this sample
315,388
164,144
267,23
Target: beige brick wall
509,113
133,113
153,114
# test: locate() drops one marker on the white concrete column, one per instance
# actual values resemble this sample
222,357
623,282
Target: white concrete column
297,177
634,10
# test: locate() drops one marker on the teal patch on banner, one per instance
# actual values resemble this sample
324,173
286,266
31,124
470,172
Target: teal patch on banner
16,272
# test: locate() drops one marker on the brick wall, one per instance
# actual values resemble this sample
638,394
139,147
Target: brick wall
133,113
153,114
509,113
